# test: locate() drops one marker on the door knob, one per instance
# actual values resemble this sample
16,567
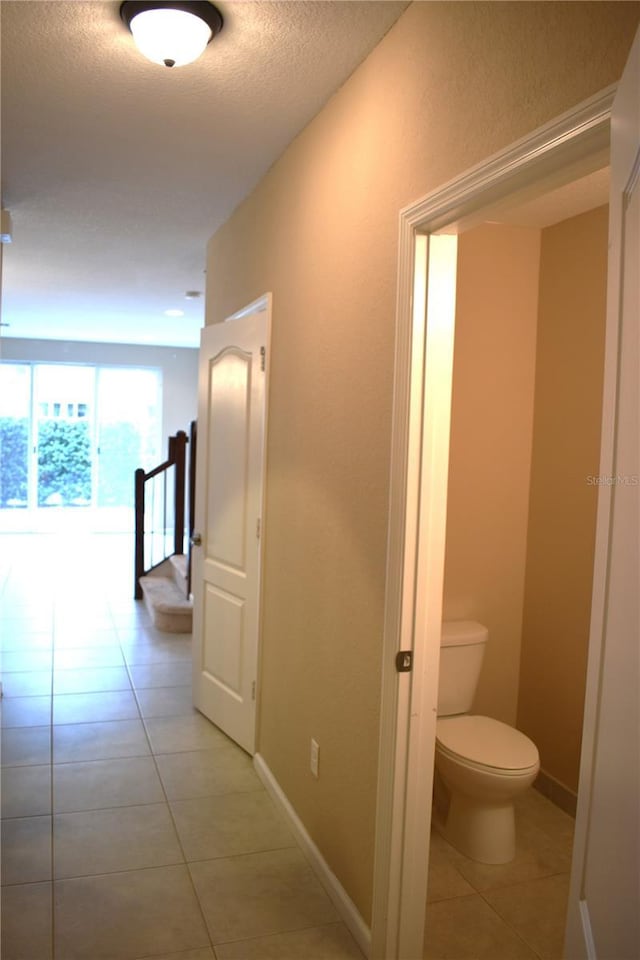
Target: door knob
195,540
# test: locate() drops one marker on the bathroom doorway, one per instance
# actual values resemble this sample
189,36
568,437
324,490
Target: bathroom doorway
521,516
572,146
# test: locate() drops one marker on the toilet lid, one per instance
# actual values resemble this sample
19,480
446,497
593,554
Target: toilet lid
485,741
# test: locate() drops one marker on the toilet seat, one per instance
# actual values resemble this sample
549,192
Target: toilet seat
486,743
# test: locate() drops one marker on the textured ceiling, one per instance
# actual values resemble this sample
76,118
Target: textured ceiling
117,171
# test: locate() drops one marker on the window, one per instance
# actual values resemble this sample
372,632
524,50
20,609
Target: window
73,435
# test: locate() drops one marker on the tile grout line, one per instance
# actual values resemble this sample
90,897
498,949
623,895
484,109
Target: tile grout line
504,920
169,809
507,924
53,878
155,758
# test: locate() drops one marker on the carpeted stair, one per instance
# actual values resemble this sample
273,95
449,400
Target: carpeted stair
165,595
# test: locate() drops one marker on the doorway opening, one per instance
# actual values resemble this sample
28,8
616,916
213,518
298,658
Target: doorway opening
524,455
573,146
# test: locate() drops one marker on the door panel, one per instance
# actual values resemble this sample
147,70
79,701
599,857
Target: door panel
228,497
229,506
224,618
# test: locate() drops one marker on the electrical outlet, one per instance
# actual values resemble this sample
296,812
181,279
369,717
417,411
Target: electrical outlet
315,757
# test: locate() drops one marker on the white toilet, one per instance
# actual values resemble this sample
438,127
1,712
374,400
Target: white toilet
483,763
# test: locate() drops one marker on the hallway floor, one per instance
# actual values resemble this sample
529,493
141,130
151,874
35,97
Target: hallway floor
132,828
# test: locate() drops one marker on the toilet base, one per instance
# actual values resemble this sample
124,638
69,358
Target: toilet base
483,832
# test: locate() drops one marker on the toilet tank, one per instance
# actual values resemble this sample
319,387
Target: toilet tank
462,647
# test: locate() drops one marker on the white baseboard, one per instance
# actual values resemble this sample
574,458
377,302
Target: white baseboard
341,899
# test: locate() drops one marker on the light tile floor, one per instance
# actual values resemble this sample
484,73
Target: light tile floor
135,830
132,828
514,911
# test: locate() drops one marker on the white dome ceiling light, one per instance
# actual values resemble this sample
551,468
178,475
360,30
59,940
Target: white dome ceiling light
171,33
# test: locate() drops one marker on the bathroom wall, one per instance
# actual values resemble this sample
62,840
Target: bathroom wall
566,444
490,452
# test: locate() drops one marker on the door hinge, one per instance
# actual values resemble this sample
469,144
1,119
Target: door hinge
263,358
253,690
258,528
404,661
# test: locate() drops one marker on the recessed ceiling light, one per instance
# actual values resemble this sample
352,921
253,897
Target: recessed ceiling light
174,313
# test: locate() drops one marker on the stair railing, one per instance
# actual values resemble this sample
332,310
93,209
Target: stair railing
160,510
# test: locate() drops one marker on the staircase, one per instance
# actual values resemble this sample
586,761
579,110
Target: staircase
164,590
162,571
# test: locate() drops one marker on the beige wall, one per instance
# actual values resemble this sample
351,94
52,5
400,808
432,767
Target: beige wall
450,84
490,450
566,446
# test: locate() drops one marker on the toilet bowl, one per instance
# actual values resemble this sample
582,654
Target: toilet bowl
483,763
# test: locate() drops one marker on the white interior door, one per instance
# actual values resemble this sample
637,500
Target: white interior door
228,520
604,908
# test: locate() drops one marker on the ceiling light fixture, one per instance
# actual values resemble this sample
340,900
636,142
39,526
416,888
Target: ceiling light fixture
171,33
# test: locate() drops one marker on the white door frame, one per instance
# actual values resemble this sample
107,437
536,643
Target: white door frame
611,700
568,147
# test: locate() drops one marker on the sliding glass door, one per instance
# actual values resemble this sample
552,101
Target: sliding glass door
15,421
64,418
71,438
128,404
